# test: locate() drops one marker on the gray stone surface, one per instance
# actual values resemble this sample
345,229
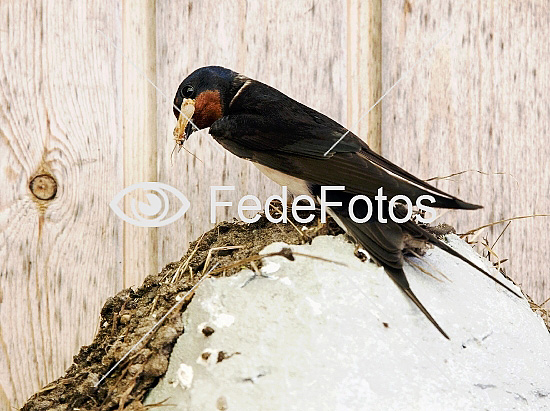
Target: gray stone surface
319,336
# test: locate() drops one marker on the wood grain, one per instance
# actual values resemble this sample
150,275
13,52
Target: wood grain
60,110
299,48
478,102
139,131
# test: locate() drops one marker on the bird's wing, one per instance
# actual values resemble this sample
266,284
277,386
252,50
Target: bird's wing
293,139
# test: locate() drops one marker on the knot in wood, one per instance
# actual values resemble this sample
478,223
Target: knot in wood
43,187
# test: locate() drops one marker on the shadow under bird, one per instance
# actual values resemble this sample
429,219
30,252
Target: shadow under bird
294,146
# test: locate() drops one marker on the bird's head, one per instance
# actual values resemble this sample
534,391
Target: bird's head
202,98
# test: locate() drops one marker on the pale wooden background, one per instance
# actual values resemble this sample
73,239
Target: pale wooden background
72,106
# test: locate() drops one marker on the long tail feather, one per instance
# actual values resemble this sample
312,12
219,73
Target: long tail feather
398,276
434,240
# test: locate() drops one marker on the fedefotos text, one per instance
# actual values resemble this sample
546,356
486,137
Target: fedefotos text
252,203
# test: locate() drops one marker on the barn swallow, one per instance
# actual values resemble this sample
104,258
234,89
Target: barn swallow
294,146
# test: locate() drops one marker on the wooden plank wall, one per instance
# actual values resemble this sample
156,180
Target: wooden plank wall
74,108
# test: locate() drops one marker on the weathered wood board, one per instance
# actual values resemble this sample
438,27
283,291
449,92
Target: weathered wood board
299,48
477,102
60,111
139,130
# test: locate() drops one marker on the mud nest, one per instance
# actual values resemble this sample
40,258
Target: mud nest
130,316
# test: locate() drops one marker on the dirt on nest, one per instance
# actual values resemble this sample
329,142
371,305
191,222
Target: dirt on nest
129,316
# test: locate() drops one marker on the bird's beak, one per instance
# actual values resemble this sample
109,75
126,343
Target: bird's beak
184,128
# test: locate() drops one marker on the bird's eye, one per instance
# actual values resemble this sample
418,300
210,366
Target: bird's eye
188,91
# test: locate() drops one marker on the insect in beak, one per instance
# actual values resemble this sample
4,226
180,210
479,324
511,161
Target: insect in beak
183,129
